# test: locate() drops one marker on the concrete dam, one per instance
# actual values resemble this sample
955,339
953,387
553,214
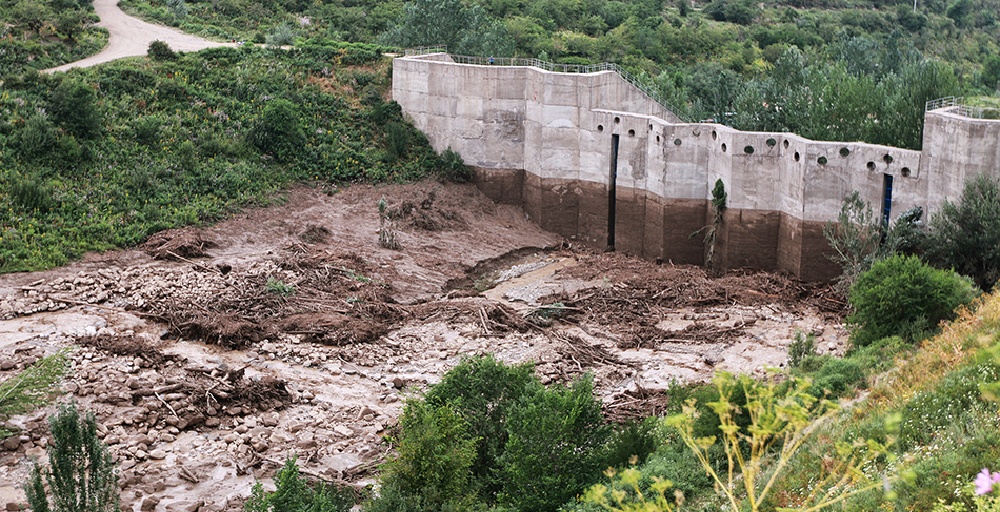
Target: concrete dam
594,158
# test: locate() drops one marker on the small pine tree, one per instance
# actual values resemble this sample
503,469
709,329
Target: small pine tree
81,476
294,494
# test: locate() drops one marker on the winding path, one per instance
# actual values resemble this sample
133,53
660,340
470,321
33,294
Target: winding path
130,37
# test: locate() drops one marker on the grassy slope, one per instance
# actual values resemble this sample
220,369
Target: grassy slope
949,431
172,146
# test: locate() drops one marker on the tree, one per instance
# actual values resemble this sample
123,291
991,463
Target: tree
463,29
70,22
31,15
966,236
854,239
991,72
81,476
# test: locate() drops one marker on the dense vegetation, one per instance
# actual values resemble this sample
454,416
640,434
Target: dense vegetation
39,34
104,157
826,69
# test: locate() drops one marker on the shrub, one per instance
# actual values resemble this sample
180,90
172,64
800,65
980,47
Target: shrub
31,193
282,35
279,131
37,137
158,50
294,494
836,377
492,434
854,239
902,296
483,390
966,236
453,168
433,468
81,476
552,451
397,138
74,107
801,347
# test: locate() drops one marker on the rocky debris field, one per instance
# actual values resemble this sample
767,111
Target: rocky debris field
211,354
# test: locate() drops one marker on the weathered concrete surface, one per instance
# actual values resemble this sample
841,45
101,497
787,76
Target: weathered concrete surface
544,140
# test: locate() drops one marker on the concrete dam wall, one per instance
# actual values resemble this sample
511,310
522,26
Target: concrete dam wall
592,157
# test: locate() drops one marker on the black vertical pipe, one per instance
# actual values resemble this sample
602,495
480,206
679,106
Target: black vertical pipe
612,182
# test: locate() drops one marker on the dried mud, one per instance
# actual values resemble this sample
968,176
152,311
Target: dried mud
210,354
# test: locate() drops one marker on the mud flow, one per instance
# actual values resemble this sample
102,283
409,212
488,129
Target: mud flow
210,354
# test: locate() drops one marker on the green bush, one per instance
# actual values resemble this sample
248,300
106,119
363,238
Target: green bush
397,141
802,346
74,107
491,434
433,468
279,131
158,50
81,476
902,296
483,391
294,494
553,448
966,236
453,168
36,138
836,377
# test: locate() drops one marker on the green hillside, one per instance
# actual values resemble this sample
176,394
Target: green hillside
103,157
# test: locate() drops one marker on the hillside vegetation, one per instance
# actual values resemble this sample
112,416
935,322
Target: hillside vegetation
39,34
104,157
827,70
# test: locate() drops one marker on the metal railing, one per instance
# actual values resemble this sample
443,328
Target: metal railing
645,88
960,106
424,50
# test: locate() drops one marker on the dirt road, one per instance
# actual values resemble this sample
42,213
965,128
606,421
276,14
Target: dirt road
210,354
130,37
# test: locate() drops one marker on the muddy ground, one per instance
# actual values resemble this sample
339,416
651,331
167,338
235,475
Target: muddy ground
210,354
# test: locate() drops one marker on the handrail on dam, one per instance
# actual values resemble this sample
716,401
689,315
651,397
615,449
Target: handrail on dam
550,66
960,106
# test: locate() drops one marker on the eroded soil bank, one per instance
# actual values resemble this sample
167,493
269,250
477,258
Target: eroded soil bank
211,354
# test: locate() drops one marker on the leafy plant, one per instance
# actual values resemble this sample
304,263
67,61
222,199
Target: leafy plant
781,420
802,346
902,296
386,230
279,131
74,107
81,476
433,468
855,239
279,287
293,493
553,447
